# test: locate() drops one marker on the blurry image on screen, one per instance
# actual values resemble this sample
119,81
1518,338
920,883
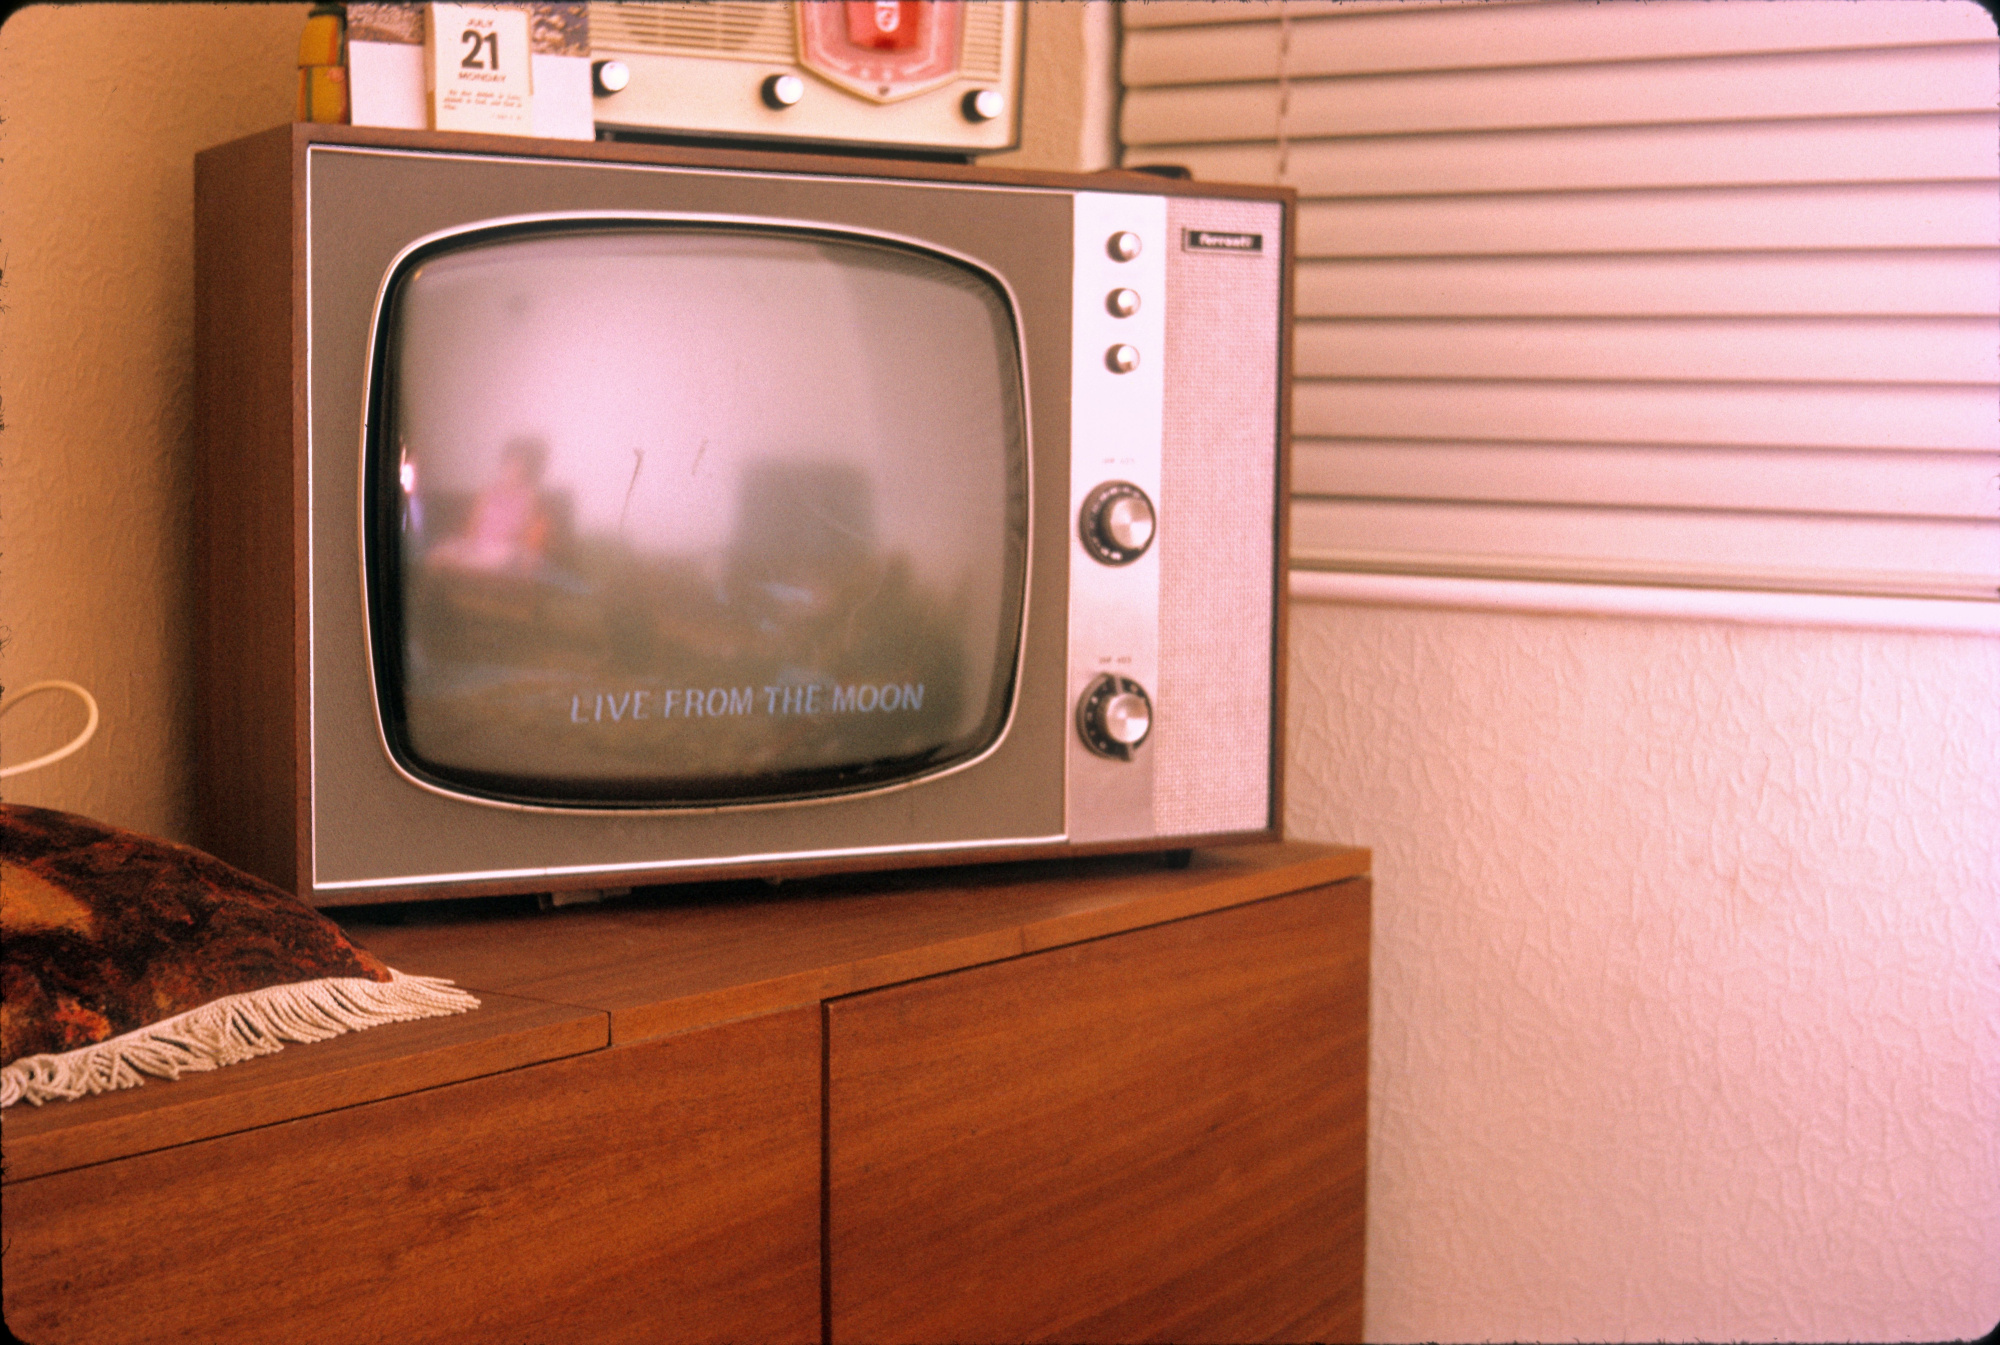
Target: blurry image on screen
688,514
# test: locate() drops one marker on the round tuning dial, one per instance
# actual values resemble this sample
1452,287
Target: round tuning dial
1116,523
782,91
983,105
609,77
1114,717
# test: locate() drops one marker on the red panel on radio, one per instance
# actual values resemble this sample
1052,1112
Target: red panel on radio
885,25
883,50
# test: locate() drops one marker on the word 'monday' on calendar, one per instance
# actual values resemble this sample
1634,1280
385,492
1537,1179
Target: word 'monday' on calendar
476,69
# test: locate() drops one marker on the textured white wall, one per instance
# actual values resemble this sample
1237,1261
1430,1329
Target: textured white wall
1687,971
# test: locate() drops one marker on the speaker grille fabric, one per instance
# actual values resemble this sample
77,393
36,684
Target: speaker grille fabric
1218,487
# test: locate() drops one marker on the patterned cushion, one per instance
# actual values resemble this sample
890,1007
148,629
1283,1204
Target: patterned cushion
105,933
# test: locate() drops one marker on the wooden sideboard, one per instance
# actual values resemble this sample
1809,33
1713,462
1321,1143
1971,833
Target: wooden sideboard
1091,1100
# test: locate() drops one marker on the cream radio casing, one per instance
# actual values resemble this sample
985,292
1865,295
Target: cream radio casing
595,516
908,74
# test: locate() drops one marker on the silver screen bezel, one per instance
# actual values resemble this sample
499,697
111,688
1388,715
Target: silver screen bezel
366,828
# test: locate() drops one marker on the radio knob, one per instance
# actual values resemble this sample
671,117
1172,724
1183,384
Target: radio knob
983,105
1116,523
1121,359
782,91
1123,245
609,77
1122,303
1114,717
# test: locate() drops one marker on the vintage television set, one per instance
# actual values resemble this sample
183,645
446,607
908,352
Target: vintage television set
582,516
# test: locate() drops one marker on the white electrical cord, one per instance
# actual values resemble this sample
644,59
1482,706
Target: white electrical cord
90,703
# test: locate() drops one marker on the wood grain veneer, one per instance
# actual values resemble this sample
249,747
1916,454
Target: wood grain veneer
666,966
1159,1136
1281,578
1094,1099
560,982
656,1193
503,1033
729,156
249,418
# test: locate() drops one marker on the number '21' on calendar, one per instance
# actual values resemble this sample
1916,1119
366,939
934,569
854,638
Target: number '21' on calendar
476,69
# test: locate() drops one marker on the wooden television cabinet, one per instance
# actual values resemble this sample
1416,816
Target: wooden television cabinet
1075,1101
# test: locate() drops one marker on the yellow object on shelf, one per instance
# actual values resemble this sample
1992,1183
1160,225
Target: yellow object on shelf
323,65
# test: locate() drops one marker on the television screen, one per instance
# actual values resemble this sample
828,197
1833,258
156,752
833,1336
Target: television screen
671,513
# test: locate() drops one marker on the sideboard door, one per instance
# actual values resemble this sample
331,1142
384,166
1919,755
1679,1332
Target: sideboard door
1156,1135
664,1191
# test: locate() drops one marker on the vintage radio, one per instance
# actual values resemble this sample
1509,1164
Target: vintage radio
914,74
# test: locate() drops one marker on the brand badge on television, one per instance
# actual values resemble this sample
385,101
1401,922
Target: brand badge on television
1212,240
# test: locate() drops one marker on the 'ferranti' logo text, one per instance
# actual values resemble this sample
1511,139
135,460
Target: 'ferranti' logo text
1209,240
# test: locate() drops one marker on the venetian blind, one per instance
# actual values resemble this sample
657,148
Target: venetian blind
1687,293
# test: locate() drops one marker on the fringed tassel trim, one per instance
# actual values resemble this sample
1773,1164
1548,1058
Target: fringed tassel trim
230,1030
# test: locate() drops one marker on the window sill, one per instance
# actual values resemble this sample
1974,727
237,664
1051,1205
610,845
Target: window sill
1750,607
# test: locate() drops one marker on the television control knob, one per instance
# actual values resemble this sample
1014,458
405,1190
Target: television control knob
1121,359
983,105
609,77
1114,716
1123,245
782,91
1122,303
1116,523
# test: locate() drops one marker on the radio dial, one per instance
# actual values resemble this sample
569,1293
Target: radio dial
609,77
1122,303
782,91
1114,717
1123,245
1116,523
983,105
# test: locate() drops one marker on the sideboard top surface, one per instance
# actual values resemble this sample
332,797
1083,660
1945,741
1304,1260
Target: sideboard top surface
581,978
